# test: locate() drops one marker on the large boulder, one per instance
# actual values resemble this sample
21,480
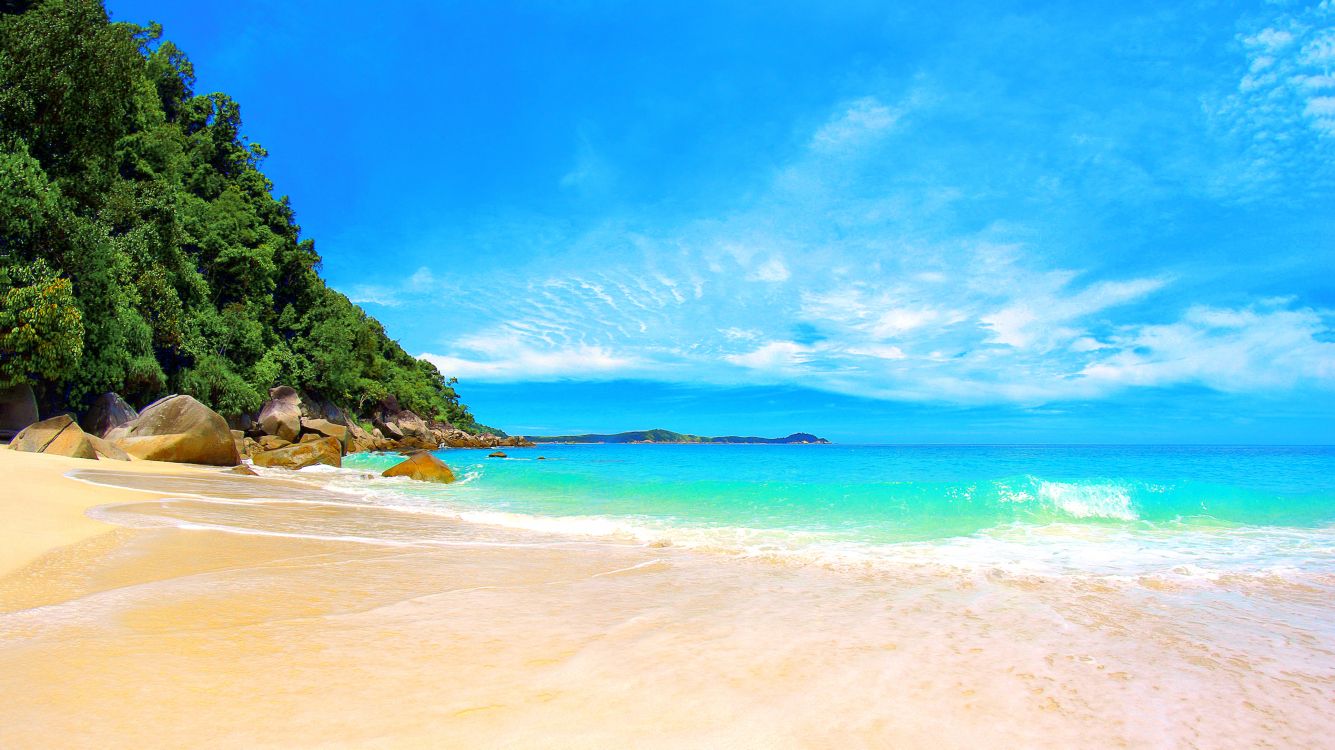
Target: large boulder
423,467
325,450
281,414
107,412
178,429
18,409
327,428
59,436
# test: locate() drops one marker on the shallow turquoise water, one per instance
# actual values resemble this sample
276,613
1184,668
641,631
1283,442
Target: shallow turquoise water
1079,505
893,493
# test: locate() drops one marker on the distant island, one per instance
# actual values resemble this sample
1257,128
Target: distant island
668,436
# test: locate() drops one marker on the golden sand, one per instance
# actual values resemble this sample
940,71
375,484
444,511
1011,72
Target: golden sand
42,510
283,631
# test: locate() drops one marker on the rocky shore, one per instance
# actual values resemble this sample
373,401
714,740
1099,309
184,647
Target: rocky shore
291,430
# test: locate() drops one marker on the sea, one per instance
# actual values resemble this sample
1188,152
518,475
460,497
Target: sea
1173,511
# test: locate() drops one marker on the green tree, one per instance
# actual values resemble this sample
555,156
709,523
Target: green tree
41,328
141,247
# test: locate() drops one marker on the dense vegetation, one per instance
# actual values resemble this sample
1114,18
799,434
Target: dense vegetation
141,248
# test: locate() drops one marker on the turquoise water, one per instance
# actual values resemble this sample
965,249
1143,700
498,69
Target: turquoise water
1102,507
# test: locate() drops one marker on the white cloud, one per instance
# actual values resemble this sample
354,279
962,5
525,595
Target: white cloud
862,119
877,351
740,334
772,270
1040,319
865,296
421,280
370,294
1279,116
507,358
776,355
1225,349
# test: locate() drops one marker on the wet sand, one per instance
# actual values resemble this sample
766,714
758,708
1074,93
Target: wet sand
296,622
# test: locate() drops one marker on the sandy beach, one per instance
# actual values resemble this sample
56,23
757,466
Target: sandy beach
44,510
278,615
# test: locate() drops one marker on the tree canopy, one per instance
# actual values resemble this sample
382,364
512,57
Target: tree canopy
141,248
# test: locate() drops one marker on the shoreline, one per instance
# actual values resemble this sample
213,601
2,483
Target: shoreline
214,621
44,510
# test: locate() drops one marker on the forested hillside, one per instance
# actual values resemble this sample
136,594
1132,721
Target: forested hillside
141,248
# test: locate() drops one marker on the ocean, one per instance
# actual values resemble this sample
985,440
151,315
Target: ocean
1097,510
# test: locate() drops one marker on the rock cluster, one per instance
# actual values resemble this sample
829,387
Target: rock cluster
176,428
291,419
291,430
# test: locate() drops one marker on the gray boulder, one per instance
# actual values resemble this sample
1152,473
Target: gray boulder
18,409
107,412
281,414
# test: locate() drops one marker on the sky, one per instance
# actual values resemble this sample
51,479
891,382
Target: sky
878,222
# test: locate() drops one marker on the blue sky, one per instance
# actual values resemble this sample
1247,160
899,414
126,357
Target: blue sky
976,223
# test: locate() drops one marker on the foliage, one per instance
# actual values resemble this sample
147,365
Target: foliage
141,248
41,329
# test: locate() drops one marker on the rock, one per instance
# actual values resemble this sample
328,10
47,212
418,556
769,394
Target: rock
322,450
251,447
239,439
272,443
359,440
107,412
281,414
327,428
241,469
412,442
18,409
58,436
107,449
397,423
542,458
247,423
310,437
330,412
179,429
423,467
497,454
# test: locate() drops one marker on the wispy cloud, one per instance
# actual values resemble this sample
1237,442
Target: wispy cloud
419,284
859,266
1283,109
853,125
508,357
